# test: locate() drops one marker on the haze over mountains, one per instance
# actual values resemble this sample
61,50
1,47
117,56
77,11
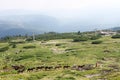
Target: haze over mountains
14,24
19,22
26,24
57,15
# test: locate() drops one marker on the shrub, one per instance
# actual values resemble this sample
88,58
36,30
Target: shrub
43,41
97,42
64,78
28,47
80,39
116,36
14,46
95,37
76,40
29,39
4,49
58,44
17,42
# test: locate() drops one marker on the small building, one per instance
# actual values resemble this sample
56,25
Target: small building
107,33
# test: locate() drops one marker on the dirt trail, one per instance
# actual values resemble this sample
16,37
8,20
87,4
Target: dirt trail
92,75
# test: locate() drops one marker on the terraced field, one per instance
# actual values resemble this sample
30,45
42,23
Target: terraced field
61,59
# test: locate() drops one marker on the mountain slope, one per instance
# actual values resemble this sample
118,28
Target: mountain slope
14,31
115,28
38,22
26,24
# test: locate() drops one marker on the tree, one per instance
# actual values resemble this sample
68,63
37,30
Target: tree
79,33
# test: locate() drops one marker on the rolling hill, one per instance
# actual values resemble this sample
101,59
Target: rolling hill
26,24
115,28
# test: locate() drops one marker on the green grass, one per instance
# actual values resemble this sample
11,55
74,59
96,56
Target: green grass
66,52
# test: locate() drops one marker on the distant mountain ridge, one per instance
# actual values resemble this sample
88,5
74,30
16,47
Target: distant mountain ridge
41,22
115,28
8,29
15,31
26,24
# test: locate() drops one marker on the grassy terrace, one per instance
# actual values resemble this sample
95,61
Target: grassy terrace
62,52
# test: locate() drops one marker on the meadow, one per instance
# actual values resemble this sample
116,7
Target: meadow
60,59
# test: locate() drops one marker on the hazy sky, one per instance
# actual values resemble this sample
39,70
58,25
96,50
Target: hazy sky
57,4
81,6
63,7
105,12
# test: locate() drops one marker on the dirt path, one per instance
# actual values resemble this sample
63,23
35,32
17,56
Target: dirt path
92,75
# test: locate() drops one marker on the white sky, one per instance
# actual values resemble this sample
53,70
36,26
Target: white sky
62,7
57,4
101,11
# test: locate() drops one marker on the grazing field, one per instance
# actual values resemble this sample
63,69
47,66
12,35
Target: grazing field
61,59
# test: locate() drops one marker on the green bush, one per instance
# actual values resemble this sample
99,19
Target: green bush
76,40
29,39
14,46
17,42
4,49
28,47
80,39
97,42
58,44
65,78
116,36
95,37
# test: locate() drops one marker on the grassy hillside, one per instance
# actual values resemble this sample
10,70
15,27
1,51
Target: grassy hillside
60,59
